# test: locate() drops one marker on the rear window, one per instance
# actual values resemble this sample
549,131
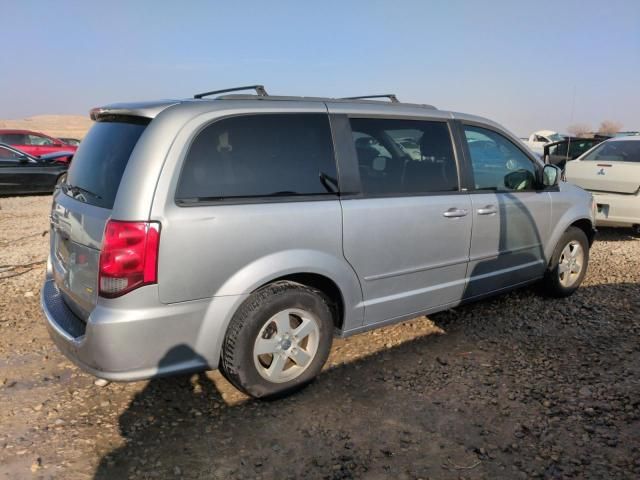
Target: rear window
268,155
6,154
98,165
13,138
618,151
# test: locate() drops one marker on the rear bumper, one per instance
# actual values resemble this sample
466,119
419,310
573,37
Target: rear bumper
617,210
129,344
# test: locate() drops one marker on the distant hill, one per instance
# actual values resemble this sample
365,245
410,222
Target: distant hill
74,126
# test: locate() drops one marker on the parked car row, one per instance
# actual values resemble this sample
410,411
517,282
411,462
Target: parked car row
37,144
558,153
609,168
611,172
369,213
21,173
537,140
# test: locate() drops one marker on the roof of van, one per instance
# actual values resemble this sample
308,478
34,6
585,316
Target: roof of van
154,108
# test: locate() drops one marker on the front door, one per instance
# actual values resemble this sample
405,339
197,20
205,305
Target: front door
407,232
511,217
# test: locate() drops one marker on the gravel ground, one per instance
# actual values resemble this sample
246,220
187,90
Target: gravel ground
514,387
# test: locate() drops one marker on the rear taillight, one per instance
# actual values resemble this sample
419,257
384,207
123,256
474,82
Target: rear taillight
129,257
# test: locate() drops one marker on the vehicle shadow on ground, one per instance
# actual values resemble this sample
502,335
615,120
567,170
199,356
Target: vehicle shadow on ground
426,408
608,234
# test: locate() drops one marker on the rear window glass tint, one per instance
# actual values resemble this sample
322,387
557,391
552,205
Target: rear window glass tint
6,154
13,138
101,158
404,157
617,151
260,155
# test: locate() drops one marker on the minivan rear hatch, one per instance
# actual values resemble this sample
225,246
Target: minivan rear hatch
83,204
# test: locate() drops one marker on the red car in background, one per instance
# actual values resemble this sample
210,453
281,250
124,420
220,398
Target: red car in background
35,143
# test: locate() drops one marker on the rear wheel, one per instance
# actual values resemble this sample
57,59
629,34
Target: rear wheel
569,264
278,340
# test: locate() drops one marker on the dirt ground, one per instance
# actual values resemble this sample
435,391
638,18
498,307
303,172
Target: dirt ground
514,387
73,126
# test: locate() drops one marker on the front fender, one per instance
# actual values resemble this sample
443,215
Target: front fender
570,205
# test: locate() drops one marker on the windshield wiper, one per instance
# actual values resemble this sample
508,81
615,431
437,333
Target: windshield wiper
77,191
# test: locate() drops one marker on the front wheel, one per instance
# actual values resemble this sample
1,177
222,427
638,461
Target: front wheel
278,340
568,264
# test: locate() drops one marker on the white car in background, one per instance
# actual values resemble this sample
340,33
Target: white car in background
611,172
537,140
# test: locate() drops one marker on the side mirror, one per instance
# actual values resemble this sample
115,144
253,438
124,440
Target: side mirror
551,175
23,159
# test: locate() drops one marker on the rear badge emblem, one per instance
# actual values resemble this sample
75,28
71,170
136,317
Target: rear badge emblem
601,171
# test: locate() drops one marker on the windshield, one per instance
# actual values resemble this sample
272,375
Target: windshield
555,137
98,165
618,151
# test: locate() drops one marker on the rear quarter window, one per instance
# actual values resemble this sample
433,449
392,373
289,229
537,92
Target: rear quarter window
99,163
266,155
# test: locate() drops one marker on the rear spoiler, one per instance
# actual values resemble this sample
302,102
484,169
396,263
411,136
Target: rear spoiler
148,110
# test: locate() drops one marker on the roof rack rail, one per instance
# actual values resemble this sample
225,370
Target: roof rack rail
258,88
390,96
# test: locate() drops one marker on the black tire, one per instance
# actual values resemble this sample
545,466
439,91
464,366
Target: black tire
552,284
238,363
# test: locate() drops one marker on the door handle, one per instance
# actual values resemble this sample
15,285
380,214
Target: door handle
488,210
455,213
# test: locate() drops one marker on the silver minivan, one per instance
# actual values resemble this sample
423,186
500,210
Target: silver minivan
242,232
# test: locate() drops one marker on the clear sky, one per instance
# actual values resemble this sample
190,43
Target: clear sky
518,62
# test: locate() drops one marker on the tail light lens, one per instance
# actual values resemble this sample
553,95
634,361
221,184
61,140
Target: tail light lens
129,257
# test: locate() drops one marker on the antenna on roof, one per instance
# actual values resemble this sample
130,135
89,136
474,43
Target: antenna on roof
258,88
390,96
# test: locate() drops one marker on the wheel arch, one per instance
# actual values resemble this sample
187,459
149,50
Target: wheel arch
578,221
328,273
322,283
587,227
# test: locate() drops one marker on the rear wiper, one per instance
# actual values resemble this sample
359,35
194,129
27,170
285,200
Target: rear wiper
76,191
